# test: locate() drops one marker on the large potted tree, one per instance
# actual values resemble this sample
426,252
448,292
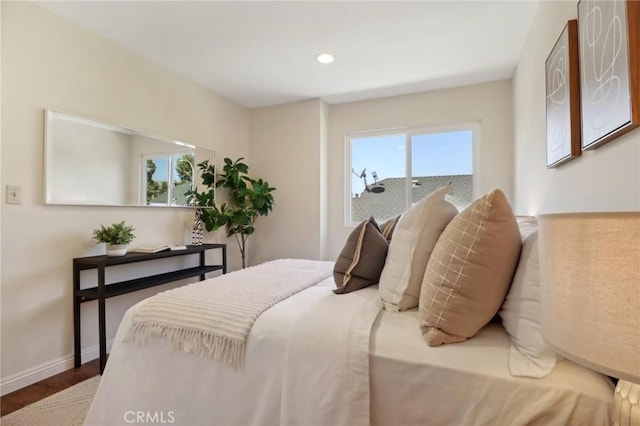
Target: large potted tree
248,199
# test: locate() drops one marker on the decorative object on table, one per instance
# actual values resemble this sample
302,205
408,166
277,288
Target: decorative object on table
150,249
116,236
248,199
198,229
609,45
563,98
590,273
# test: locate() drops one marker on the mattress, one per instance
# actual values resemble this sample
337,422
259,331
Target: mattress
469,383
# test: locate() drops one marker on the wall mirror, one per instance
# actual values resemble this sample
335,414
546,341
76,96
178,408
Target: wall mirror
88,162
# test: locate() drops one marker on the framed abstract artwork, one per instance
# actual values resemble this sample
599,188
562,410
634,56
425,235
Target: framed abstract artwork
563,98
609,47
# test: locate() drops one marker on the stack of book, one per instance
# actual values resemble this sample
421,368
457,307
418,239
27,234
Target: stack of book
156,249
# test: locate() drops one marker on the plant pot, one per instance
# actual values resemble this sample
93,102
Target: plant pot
115,250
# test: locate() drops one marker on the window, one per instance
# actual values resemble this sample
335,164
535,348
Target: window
167,178
391,170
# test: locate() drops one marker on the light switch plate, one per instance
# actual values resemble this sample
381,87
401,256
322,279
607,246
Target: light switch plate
13,194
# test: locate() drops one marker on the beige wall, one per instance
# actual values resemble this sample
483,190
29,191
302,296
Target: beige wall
2,184
300,149
607,178
286,144
487,104
48,63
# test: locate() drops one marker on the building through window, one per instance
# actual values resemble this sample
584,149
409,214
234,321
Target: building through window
392,170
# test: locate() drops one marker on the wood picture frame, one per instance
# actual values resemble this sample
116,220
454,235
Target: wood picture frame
609,48
562,80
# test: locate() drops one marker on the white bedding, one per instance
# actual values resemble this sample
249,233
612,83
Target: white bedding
303,354
213,318
469,383
299,371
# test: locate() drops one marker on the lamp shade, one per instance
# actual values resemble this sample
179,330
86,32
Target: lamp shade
590,277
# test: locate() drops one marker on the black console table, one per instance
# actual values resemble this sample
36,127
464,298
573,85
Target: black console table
103,291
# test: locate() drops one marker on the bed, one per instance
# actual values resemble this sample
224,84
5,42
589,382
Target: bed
410,382
320,358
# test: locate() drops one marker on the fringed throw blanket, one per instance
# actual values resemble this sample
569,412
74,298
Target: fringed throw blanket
213,317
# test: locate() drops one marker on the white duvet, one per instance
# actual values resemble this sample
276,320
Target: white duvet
318,358
303,355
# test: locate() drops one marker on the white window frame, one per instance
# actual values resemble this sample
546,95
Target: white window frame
408,133
169,156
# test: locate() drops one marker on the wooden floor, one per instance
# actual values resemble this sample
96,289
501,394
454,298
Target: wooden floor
37,391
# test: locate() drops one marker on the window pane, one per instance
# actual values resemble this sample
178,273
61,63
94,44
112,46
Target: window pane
157,181
378,177
440,158
183,167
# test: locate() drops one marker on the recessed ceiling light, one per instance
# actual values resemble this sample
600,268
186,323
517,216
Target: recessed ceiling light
324,58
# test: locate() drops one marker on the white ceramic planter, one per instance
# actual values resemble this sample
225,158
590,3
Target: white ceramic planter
115,250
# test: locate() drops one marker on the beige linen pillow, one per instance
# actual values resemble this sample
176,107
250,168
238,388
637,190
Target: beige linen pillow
470,270
413,240
361,260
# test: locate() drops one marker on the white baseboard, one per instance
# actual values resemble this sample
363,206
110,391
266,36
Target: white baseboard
46,370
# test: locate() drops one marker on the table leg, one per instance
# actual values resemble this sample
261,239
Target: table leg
102,334
203,276
224,259
77,348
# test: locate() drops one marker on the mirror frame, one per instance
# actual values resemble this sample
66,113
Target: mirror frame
52,114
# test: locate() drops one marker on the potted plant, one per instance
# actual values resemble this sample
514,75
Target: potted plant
248,199
117,237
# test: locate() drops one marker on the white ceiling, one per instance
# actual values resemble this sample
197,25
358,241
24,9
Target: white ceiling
263,53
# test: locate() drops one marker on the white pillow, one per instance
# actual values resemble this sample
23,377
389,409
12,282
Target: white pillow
521,313
413,240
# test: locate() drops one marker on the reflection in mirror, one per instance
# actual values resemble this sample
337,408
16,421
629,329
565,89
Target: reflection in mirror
88,162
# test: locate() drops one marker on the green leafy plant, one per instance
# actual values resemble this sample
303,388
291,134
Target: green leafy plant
248,199
117,233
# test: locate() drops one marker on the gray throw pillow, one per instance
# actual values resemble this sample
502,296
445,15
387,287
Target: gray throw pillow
361,260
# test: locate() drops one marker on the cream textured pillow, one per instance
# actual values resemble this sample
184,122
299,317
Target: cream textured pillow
529,354
470,270
413,240
361,260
